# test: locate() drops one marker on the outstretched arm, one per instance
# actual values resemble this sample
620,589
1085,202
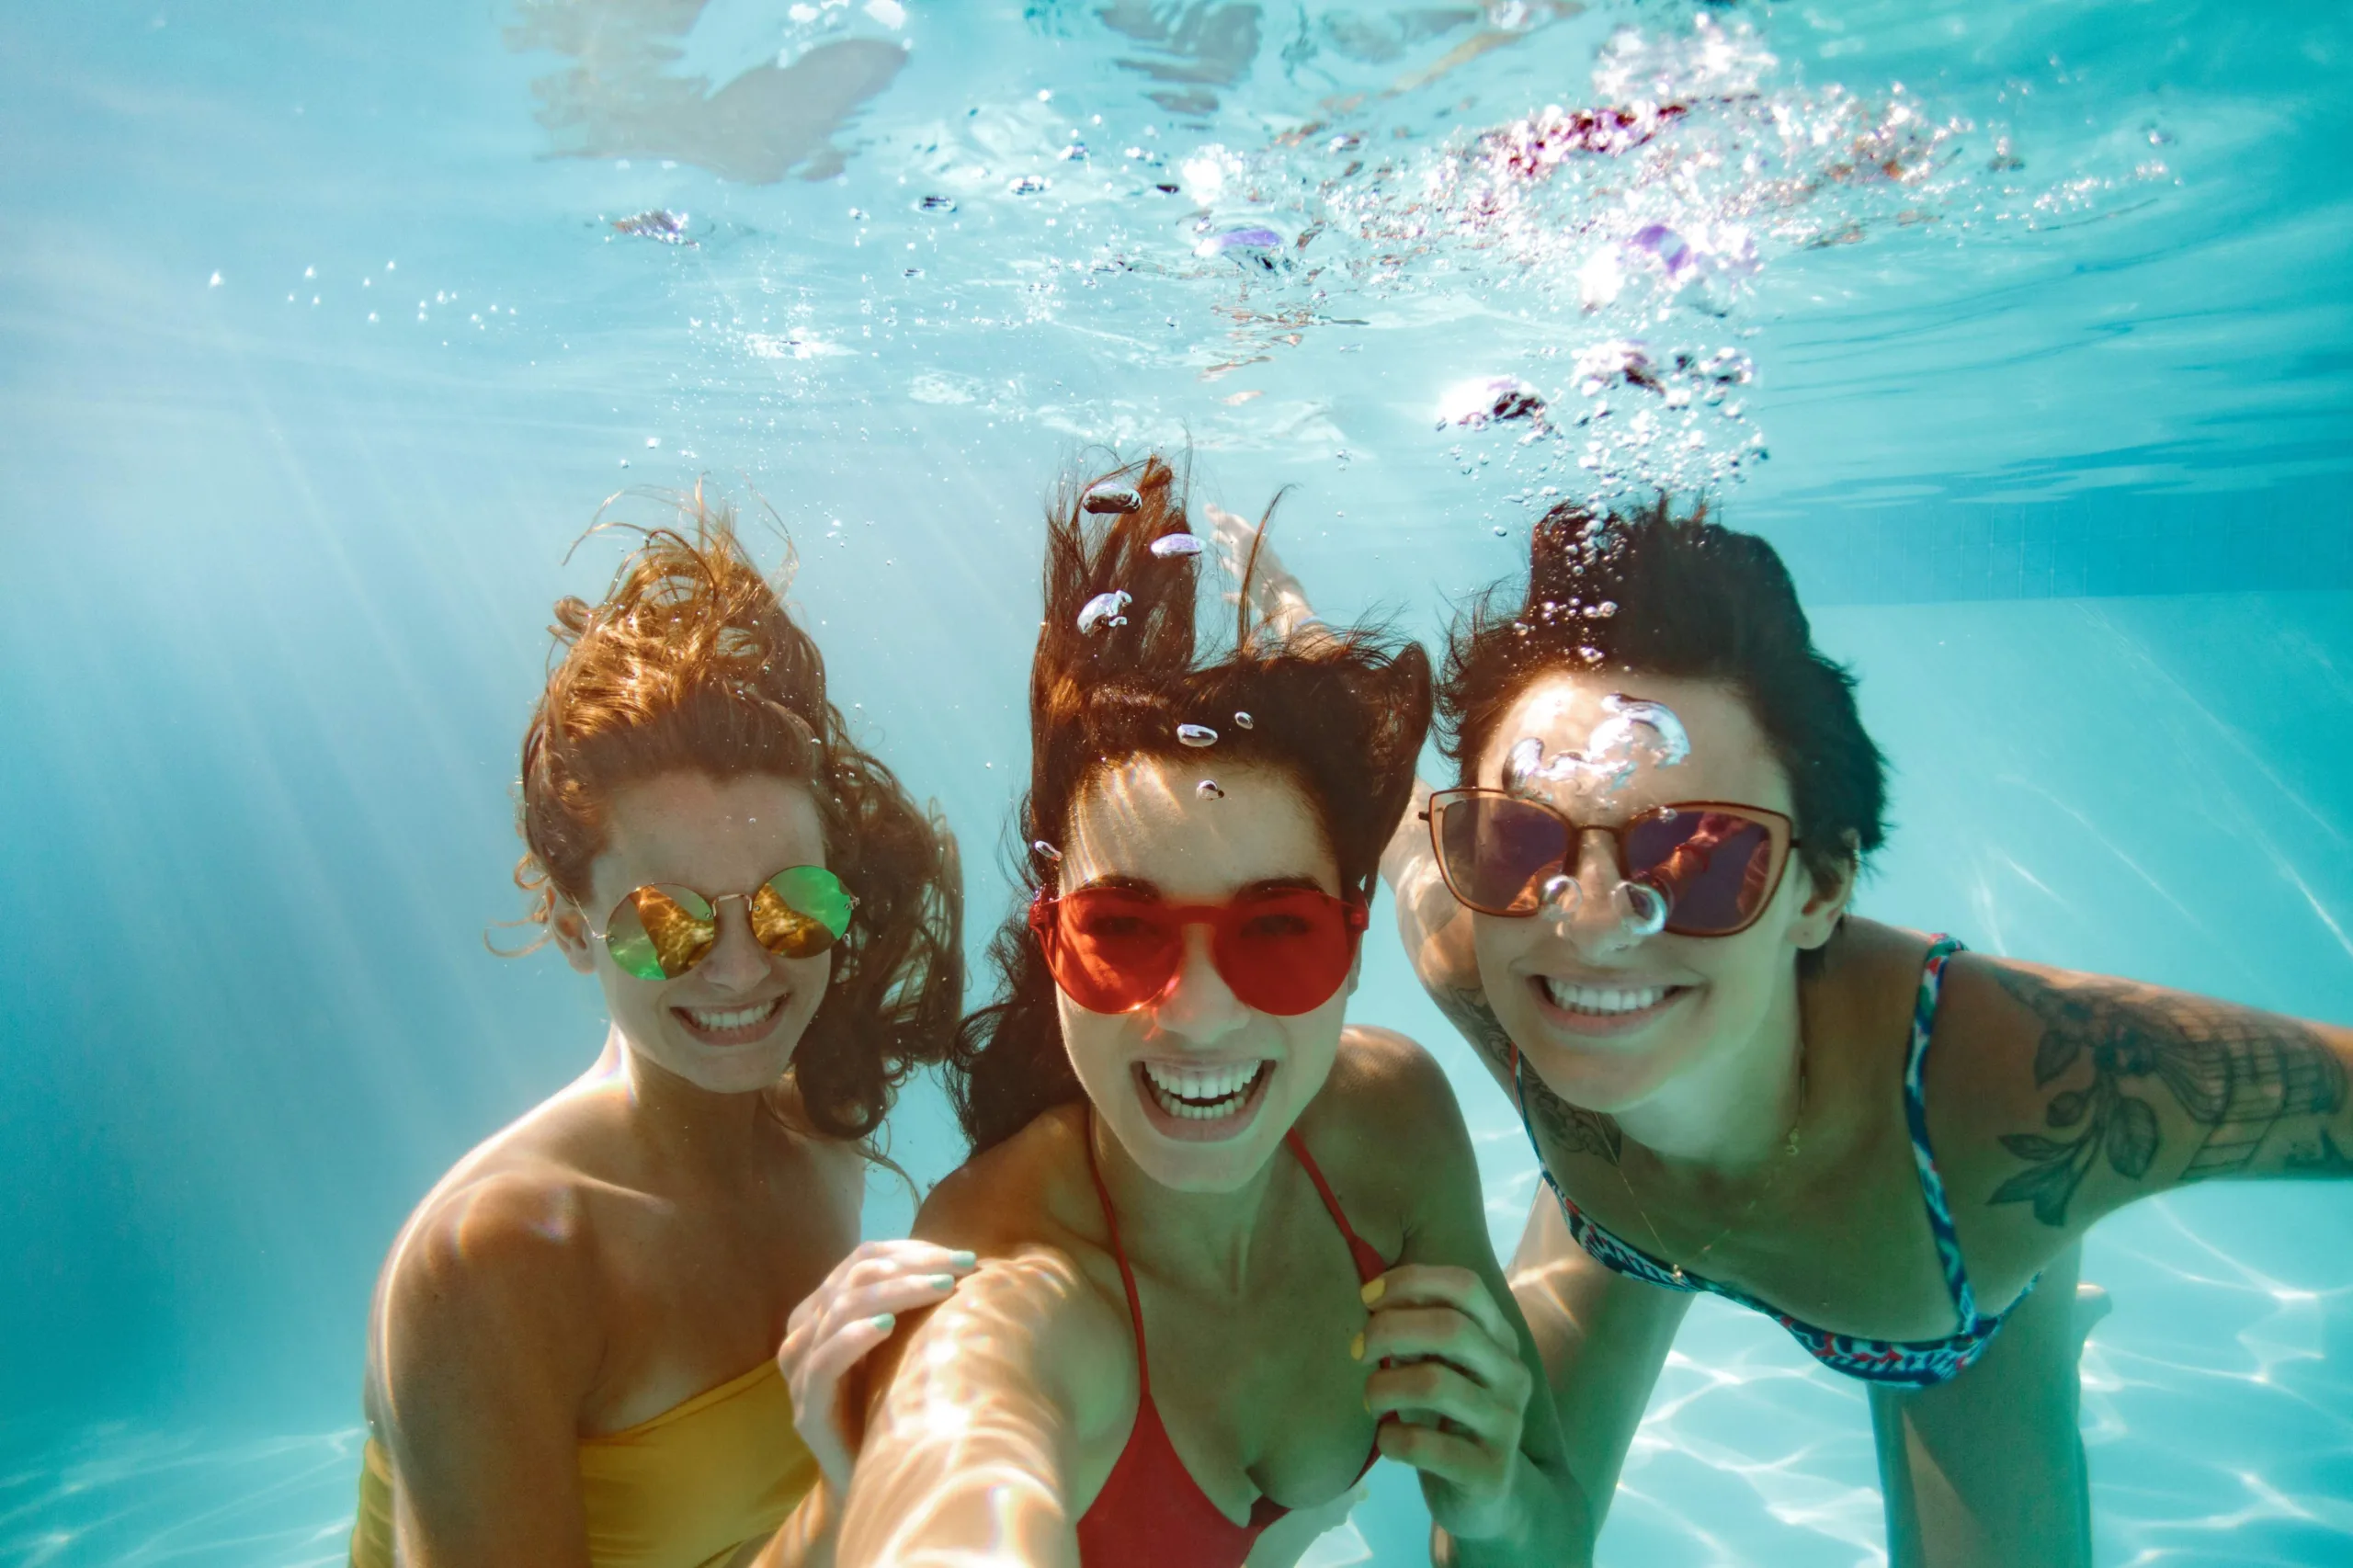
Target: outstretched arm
2080,1094
970,1452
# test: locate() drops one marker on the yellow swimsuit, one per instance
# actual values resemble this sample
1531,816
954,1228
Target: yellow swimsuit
684,1489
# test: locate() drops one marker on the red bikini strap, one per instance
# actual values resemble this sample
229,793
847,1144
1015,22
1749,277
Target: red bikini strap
1119,1255
1370,1263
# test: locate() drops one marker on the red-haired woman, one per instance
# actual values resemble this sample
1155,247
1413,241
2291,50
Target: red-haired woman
573,1358
1232,1247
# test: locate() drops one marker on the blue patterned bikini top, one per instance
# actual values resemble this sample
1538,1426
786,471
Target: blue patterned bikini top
1919,1365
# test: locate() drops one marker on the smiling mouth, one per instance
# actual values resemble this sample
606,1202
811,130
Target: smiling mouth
1603,1001
1204,1103
1605,1004
731,1026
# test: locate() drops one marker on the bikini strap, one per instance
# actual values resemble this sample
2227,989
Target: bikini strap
1370,1263
1916,1117
1120,1255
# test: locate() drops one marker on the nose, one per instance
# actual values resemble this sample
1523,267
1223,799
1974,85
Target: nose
736,960
1594,927
1198,1005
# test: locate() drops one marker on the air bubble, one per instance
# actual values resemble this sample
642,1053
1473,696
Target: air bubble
1112,498
1244,722
1169,546
1641,908
1028,185
1208,791
936,204
1105,607
1045,851
1494,400
1196,735
1253,248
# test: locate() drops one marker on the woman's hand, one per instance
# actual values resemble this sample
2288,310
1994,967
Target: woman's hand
1448,1366
830,1332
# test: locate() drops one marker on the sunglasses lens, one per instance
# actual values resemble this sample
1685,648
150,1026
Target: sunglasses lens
1715,868
1110,951
1497,852
659,933
1288,952
801,912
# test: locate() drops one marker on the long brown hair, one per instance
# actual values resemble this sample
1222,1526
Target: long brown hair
691,663
1341,713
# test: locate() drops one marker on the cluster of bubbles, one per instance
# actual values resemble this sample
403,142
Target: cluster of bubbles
1634,733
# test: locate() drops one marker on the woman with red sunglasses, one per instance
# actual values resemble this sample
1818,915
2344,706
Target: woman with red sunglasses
1232,1247
614,1335
1635,905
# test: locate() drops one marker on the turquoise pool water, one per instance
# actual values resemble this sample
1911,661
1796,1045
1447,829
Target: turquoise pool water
322,337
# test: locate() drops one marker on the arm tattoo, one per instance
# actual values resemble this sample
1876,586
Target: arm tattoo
1571,1129
2326,1160
2236,1071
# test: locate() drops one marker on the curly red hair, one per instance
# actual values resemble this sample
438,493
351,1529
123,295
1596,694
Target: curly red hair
691,663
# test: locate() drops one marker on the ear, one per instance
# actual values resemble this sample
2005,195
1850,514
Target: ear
1826,899
571,934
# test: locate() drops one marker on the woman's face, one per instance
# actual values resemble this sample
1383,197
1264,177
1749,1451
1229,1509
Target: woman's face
1145,825
730,1024
1604,1017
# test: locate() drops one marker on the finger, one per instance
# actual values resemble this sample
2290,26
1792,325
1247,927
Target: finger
1433,1389
878,1261
1415,1332
1459,1461
899,1293
822,1368
1438,1285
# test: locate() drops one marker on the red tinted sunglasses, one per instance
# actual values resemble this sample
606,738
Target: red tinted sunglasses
1283,952
1717,864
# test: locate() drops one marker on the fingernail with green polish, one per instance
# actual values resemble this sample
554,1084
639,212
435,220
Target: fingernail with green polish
886,1321
943,1282
962,1259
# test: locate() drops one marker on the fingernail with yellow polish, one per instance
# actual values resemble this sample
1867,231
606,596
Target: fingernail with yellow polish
1374,1291
1356,1348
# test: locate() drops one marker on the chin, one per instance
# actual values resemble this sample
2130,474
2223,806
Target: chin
1225,1166
1603,1081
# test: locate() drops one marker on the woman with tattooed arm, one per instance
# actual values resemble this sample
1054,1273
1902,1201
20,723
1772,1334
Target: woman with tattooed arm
1635,905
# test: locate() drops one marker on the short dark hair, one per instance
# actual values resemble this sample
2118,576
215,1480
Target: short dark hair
1340,711
1649,593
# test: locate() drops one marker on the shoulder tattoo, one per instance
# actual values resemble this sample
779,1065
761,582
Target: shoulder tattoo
2237,1072
1570,1129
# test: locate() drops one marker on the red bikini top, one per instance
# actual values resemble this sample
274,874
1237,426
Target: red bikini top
1151,1512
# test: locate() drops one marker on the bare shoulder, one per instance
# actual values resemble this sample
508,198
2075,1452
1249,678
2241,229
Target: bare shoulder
1387,1086
1016,1193
1387,1128
492,1279
1045,1304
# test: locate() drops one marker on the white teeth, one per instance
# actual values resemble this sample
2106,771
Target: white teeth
1574,998
721,1019
1202,1093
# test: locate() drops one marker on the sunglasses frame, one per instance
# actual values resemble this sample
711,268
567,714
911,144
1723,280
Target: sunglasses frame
1045,925
711,903
1781,837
